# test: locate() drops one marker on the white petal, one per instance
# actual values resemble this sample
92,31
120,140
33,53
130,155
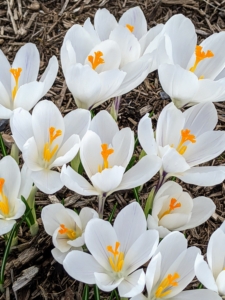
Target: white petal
47,181
81,266
6,226
26,182
153,272
204,274
92,32
146,136
51,217
60,241
5,76
30,155
58,255
153,224
104,23
197,295
143,171
220,283
76,122
87,214
149,38
5,113
5,98
75,182
21,126
181,85
18,209
49,74
107,283
129,224
175,220
133,284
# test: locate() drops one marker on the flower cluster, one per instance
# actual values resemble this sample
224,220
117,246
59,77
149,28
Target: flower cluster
99,62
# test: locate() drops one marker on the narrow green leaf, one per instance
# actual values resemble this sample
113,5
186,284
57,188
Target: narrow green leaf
131,163
96,292
136,142
200,286
151,114
111,295
112,213
149,202
116,294
2,146
135,190
29,219
86,292
92,114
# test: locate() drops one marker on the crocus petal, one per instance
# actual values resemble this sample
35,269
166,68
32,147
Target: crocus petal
99,235
143,171
203,176
197,294
19,209
133,284
139,297
106,134
77,183
26,182
91,30
204,274
5,113
5,76
181,85
202,210
128,43
84,83
200,118
106,282
153,224
141,251
47,181
49,74
135,17
30,155
220,283
21,126
28,95
81,266
153,272
146,136
5,99
104,23
149,38
51,217
6,226
58,255
60,241
129,224
109,179
28,59
76,122
87,214
175,220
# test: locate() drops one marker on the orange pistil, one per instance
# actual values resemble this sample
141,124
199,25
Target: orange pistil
4,203
48,153
69,232
164,288
173,205
105,154
96,60
185,136
16,74
200,55
130,27
117,261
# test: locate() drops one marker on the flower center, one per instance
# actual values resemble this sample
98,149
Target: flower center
130,27
164,288
4,203
200,55
48,151
96,60
173,205
185,137
71,234
16,74
117,259
105,154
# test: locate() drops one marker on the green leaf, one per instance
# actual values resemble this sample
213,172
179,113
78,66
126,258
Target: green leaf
2,146
112,213
29,218
96,293
131,163
135,190
149,202
86,292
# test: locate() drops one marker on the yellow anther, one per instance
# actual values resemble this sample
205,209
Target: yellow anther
200,55
48,153
130,27
117,260
4,203
173,204
16,74
105,154
96,60
69,232
185,137
164,288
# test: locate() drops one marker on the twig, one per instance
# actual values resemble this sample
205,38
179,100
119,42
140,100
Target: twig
64,7
12,19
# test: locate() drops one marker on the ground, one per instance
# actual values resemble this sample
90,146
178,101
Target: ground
45,24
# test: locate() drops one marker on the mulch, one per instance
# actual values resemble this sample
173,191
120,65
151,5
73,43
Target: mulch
31,271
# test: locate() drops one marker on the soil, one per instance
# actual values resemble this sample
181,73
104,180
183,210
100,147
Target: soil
45,23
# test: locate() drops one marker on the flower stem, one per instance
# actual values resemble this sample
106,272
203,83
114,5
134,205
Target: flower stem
114,111
101,204
15,152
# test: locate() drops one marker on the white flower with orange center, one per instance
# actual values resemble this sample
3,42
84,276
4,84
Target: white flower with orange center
192,74
47,140
66,227
184,141
175,210
13,184
118,252
105,153
18,83
212,275
171,269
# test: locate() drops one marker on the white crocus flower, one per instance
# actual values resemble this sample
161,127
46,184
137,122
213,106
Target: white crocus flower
105,153
117,252
212,275
47,140
174,209
13,184
195,73
66,228
18,83
184,141
171,270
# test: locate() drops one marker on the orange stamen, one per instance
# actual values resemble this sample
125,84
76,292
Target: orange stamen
105,154
16,74
185,136
4,203
97,60
48,153
116,262
200,55
173,205
164,288
69,232
130,27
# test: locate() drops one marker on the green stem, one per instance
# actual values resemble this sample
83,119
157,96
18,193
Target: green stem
2,146
15,152
86,292
96,292
135,190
